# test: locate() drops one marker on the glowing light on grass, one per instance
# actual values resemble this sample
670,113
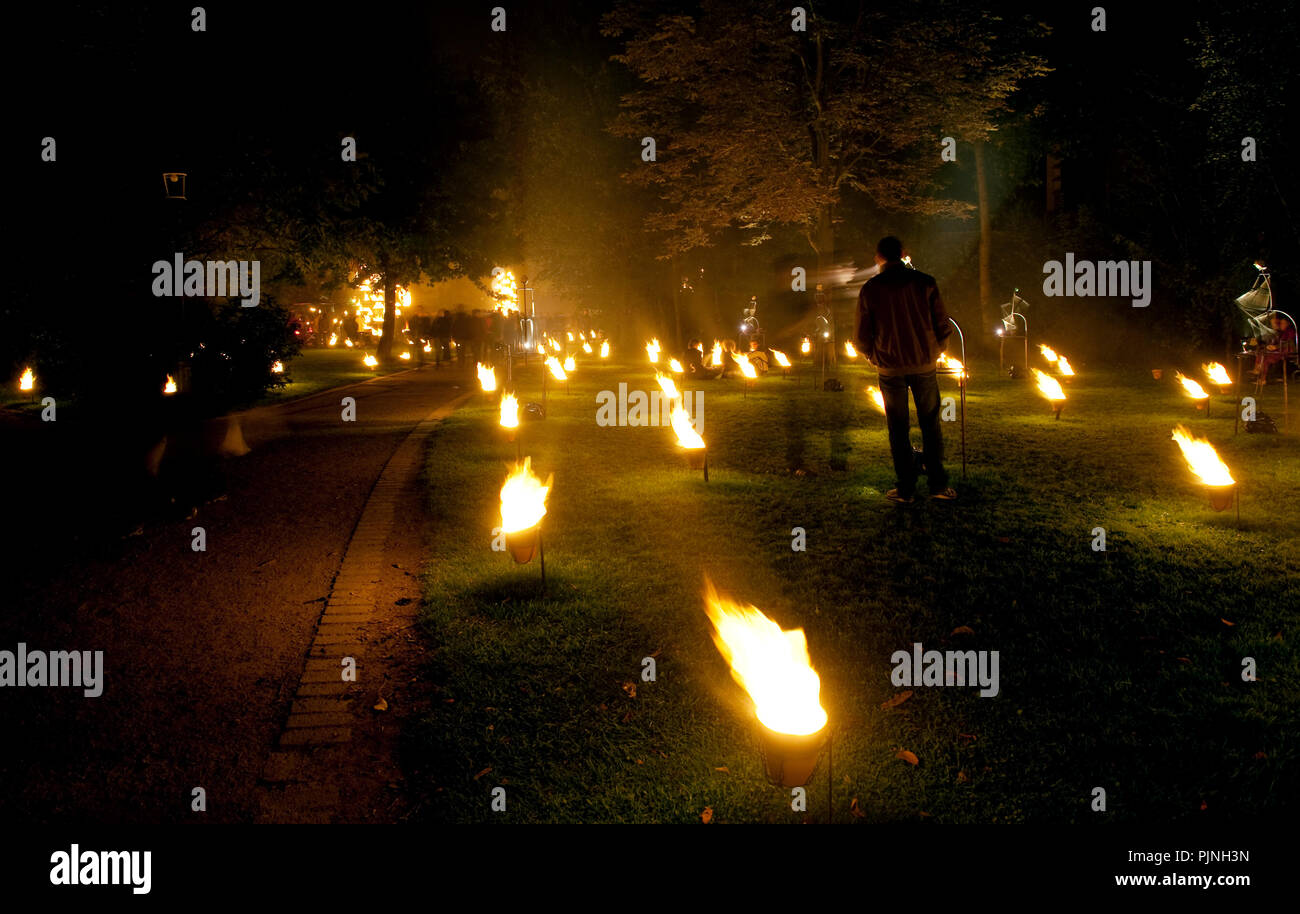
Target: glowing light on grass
1203,459
770,664
405,356
557,370
277,367
169,386
876,397
570,364
1190,387
1217,374
850,350
806,346
1048,352
781,359
675,366
1063,366
555,344
523,498
509,411
27,380
604,349
652,350
570,334
370,361
487,377
586,347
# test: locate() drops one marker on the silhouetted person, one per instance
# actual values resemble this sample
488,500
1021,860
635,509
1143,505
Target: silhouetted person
902,328
442,333
694,362
461,332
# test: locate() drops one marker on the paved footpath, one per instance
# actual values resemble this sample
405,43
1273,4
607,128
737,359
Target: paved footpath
223,668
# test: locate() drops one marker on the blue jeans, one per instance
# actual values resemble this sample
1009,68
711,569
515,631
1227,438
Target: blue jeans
925,390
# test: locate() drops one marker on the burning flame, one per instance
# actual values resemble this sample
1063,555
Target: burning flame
652,350
27,380
771,664
334,339
1202,458
687,436
586,347
876,397
1063,366
570,333
169,387
570,364
715,356
557,370
806,346
604,349
1217,373
523,498
746,368
1048,386
780,358
1048,353
949,363
405,356
1191,388
850,350
487,377
555,344
666,383
505,290
509,411
428,347
675,366
277,367
370,361
347,343
541,350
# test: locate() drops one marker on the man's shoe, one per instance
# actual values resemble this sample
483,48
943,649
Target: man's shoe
897,499
948,494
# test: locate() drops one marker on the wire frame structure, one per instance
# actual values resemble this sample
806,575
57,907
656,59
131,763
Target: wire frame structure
1014,326
962,380
174,184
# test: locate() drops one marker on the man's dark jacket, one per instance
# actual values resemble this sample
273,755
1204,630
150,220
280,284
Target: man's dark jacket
902,325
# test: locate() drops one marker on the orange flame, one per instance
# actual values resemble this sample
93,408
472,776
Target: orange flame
1202,459
806,346
1063,366
370,361
27,380
876,397
687,436
487,377
1048,386
604,349
675,366
772,665
557,370
509,411
523,498
1190,387
1217,373
169,387
850,350
780,358
669,388
1048,353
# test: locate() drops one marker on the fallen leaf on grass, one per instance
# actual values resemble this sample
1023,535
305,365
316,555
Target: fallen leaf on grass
856,809
961,777
1226,622
963,630
381,705
907,756
896,700
630,689
481,773
707,816
723,769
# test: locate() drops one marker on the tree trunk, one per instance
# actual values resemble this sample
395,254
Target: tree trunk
678,292
987,317
385,353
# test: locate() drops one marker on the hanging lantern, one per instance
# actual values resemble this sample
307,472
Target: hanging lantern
174,184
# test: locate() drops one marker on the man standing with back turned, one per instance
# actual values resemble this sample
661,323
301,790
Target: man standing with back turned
902,329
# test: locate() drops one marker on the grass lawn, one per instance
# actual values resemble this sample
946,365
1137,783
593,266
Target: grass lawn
1118,669
314,370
